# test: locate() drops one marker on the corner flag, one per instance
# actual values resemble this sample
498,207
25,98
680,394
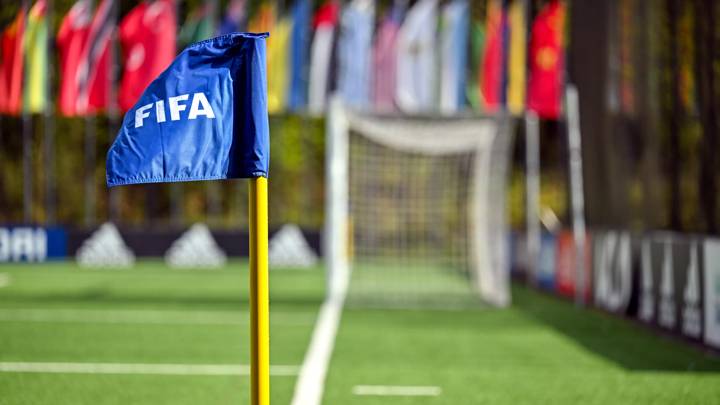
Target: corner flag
204,118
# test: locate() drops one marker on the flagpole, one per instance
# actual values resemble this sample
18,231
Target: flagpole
50,207
259,297
26,142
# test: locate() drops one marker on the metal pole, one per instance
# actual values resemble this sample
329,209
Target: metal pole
27,129
49,152
259,297
532,186
576,190
113,113
90,170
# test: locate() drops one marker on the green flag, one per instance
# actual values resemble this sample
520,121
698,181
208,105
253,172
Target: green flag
198,26
36,59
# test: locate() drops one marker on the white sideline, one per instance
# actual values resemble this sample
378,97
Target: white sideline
397,390
151,317
155,369
4,280
311,380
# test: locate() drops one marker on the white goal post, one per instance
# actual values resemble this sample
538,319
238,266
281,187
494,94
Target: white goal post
415,207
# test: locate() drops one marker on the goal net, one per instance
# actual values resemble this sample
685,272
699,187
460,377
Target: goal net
416,209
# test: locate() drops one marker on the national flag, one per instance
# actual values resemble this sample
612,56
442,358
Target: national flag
11,65
299,43
198,26
477,46
385,59
265,20
355,52
516,57
147,36
493,64
36,59
203,118
547,61
71,40
93,74
416,63
278,53
235,18
325,23
455,22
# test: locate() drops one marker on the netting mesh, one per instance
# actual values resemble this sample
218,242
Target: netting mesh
416,210
410,224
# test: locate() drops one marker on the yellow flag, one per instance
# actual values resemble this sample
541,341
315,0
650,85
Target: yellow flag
36,58
264,20
278,72
516,60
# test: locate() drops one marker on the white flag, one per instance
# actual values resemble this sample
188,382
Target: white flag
415,86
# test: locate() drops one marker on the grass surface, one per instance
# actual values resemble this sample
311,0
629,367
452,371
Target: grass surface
150,314
542,350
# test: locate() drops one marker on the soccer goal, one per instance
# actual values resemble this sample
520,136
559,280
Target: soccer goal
415,210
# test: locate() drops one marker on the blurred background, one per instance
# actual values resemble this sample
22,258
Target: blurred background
630,212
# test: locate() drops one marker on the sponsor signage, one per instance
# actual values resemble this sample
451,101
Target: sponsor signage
31,244
712,292
612,270
545,276
566,265
670,292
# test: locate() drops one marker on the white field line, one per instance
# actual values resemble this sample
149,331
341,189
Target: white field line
4,280
310,384
397,390
153,317
147,369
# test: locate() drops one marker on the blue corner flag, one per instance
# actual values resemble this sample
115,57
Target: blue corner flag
204,118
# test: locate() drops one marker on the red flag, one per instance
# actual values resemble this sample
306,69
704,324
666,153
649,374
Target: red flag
84,47
492,76
71,40
147,36
547,61
11,66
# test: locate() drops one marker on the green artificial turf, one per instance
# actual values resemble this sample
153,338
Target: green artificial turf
542,350
150,315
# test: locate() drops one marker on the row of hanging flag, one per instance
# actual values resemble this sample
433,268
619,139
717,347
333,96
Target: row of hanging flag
426,57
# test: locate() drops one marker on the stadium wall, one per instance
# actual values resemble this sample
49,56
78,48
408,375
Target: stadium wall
665,280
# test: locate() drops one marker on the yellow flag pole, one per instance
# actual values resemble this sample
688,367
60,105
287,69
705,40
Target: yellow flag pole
259,297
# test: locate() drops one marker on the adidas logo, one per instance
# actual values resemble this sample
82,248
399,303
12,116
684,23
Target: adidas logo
288,248
105,248
195,248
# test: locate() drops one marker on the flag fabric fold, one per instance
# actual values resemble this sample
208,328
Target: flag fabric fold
516,58
492,80
385,59
320,83
11,65
299,42
547,61
198,26
203,118
93,73
454,43
71,40
147,35
416,58
355,52
36,59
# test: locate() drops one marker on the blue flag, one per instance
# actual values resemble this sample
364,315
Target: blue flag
204,118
